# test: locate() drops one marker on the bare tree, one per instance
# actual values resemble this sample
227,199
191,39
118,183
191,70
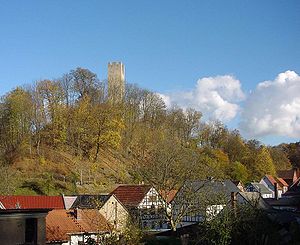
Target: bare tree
167,166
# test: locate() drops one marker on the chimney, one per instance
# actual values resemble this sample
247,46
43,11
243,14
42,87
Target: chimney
77,213
276,190
234,203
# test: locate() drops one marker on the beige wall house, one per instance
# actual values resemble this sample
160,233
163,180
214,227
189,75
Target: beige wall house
108,205
144,203
115,213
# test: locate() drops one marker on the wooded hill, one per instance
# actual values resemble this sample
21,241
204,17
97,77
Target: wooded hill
64,136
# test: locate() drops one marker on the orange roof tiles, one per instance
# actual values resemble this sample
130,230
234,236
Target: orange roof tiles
271,179
131,195
92,221
61,223
282,182
32,202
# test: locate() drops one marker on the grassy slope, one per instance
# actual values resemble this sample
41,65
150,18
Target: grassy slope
56,172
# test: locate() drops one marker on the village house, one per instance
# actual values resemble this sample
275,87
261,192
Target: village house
108,205
144,204
289,176
71,220
290,200
203,199
254,199
23,226
70,227
264,191
277,185
237,200
22,218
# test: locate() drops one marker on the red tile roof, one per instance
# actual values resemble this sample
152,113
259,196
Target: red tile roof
131,195
61,223
286,174
92,221
289,174
32,202
282,182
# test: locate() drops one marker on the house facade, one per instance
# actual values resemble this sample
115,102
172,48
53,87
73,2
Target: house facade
145,204
115,213
23,226
73,227
269,181
108,205
290,200
202,200
264,191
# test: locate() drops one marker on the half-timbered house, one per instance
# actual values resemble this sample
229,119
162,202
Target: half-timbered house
144,204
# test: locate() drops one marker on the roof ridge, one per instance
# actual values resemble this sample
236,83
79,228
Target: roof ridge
133,185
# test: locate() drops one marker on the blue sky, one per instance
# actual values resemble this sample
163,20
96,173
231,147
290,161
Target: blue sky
167,46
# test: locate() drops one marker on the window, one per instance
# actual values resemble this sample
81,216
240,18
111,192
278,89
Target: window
31,231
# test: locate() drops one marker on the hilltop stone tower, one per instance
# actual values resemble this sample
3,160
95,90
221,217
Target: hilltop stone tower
116,81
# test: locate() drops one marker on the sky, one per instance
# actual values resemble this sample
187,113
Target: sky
235,61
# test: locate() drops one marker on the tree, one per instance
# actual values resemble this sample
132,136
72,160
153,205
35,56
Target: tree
280,158
152,109
238,171
86,83
262,164
80,127
235,146
15,121
167,165
8,179
132,114
246,225
293,152
53,111
212,135
183,125
109,126
218,230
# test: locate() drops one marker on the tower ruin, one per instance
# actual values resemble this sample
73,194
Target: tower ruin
116,81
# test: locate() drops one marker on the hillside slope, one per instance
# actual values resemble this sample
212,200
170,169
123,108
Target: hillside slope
55,172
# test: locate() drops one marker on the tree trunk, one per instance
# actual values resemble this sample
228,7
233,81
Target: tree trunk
98,145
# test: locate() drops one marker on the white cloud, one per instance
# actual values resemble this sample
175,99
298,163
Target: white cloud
216,97
166,99
273,108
